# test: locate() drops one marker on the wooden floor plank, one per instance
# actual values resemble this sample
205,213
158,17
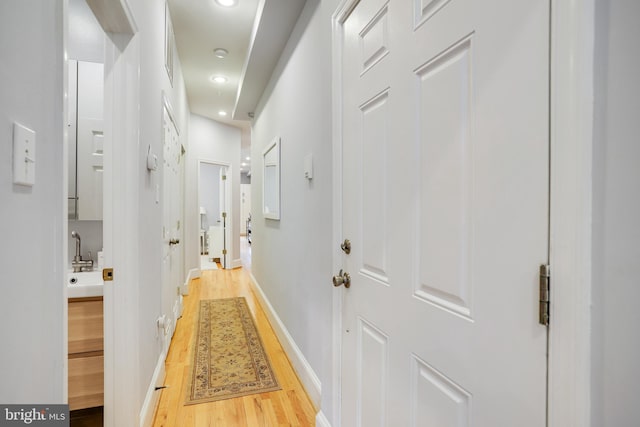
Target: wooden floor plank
287,407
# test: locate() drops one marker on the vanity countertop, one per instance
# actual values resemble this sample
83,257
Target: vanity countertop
84,284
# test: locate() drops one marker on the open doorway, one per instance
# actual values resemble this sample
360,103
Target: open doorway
214,205
102,99
245,219
85,148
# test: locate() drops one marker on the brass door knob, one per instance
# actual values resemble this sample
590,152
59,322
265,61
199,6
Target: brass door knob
346,246
343,278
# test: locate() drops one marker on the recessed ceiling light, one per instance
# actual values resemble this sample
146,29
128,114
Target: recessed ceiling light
220,52
222,113
219,79
226,3
248,158
243,164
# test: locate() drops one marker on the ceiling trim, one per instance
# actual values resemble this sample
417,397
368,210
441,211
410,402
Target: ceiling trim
275,20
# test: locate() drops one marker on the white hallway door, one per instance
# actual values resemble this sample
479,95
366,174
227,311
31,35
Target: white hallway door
90,140
445,201
172,201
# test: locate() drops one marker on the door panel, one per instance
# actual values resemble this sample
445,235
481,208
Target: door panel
445,201
172,201
90,140
374,215
372,358
435,399
90,168
444,179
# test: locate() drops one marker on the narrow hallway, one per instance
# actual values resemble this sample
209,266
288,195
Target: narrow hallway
289,406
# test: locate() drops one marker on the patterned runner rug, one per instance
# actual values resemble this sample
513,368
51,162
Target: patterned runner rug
228,356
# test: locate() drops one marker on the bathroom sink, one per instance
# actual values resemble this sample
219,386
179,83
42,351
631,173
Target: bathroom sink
84,284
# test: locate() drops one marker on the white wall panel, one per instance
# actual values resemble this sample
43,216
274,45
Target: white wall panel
291,258
32,255
616,214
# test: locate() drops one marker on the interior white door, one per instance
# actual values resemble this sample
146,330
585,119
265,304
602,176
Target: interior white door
172,197
90,140
445,201
90,168
224,218
245,207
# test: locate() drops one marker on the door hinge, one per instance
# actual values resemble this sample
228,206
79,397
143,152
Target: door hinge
224,252
107,275
545,287
224,177
224,214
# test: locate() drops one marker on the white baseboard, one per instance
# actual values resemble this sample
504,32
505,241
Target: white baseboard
321,420
236,263
151,400
177,313
307,376
194,273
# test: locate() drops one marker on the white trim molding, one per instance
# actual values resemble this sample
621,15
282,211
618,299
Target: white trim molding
194,273
152,398
301,366
571,116
321,420
121,296
337,20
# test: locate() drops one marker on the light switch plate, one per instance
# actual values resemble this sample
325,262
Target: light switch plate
24,155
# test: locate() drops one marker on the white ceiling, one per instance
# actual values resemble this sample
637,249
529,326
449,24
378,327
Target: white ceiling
254,32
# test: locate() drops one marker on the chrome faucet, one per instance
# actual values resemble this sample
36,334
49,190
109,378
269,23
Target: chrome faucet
78,263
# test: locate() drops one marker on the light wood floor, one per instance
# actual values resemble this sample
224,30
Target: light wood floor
287,407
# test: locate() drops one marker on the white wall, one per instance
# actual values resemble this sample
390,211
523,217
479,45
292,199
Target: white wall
616,227
86,37
292,258
32,255
149,15
216,142
209,194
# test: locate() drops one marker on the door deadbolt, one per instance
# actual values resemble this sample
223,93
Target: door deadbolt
346,246
343,278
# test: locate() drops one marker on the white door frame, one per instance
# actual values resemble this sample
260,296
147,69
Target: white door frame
571,117
229,209
121,125
571,121
121,296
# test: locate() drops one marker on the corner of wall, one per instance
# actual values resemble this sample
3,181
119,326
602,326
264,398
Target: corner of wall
301,366
194,273
152,398
321,420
